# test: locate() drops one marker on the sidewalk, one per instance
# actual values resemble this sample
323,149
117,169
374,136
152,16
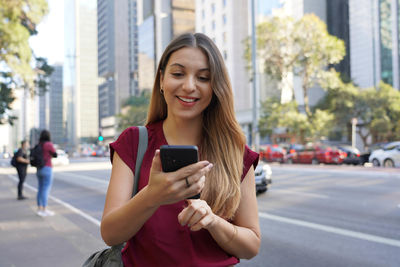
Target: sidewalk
29,240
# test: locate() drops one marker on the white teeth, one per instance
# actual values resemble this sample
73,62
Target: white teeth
187,99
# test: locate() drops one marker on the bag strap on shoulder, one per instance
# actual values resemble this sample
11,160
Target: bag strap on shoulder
142,147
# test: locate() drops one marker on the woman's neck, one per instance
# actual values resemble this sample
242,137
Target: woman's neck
182,132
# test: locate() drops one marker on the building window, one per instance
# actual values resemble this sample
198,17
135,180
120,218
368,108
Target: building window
203,15
213,24
213,8
385,30
224,38
225,55
224,19
203,29
224,3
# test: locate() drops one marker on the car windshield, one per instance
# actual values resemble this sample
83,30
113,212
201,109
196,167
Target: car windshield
391,146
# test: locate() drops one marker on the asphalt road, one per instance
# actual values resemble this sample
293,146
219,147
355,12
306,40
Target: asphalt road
310,216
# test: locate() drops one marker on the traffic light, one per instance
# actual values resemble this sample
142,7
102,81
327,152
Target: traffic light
101,138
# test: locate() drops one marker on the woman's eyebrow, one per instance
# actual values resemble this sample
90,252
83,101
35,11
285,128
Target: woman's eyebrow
180,65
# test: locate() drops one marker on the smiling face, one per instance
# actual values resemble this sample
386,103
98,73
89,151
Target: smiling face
186,83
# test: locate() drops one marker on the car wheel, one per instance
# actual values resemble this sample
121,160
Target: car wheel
388,163
375,162
314,162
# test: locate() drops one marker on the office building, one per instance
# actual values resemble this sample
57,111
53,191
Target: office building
159,21
80,75
117,60
374,42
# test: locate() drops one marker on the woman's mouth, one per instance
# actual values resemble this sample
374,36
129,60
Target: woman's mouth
187,99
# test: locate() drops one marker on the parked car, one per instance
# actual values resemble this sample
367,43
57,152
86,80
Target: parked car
61,159
272,153
263,175
365,155
388,156
352,155
315,154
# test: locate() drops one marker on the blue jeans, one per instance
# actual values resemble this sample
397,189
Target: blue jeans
45,180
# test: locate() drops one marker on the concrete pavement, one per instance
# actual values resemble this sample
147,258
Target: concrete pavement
29,240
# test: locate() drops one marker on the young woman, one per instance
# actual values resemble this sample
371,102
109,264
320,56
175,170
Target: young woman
191,104
45,174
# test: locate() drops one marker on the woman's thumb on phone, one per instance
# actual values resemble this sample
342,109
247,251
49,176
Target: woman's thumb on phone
157,161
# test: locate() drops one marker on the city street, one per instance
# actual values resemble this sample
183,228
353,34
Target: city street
311,215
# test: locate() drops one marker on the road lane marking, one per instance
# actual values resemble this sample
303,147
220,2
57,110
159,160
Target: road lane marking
335,230
85,177
300,193
65,204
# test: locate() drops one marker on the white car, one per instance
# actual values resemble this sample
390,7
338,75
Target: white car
263,175
62,158
388,156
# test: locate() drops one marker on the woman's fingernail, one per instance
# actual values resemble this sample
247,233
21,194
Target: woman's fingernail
210,166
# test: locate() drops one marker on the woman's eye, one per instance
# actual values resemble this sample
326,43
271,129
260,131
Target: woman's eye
177,74
204,79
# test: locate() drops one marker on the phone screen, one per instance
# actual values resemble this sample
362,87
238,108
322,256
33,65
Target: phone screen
175,157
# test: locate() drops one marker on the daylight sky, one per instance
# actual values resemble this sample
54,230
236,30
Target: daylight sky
49,42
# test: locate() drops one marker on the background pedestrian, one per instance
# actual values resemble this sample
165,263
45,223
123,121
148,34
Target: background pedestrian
45,174
22,166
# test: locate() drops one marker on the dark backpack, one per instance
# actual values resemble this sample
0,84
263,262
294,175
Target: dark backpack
36,157
14,160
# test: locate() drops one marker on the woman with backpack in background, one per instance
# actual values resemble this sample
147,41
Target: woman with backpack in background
45,174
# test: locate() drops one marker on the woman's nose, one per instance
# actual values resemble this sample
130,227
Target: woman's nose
189,84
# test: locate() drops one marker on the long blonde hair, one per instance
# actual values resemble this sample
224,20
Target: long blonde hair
223,141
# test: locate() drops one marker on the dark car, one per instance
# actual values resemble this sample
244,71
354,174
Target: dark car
263,177
353,155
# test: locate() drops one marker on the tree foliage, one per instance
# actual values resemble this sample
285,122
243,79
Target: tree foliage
286,116
18,20
302,47
377,110
134,111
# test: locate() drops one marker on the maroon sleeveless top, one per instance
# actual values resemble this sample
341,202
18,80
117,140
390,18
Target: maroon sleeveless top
162,241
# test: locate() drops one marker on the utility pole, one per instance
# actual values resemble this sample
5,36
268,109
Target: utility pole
254,129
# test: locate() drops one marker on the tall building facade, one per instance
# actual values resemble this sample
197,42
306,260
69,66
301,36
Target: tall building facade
374,42
56,106
50,108
80,75
159,21
117,64
227,24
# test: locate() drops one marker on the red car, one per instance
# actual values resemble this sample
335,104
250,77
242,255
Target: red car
272,153
315,154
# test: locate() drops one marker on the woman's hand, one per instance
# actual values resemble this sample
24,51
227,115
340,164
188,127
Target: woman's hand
197,215
171,187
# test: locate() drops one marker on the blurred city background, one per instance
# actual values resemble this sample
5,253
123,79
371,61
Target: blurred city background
324,71
321,89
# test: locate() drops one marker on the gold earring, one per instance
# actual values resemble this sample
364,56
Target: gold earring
161,91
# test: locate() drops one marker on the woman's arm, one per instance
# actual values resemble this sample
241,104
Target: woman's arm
123,216
241,238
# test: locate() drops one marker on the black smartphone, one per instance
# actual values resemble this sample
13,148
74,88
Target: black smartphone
175,157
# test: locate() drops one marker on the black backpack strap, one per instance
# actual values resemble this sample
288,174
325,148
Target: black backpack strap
142,147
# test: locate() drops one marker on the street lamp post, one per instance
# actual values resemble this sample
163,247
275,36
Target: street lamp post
254,129
353,132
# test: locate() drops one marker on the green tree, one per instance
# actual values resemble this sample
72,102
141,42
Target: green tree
377,110
302,47
134,111
18,20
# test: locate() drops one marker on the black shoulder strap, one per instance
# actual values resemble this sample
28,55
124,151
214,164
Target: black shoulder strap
142,147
